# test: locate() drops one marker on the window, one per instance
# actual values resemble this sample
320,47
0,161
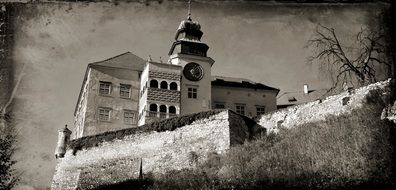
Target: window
104,88
173,86
240,108
260,110
153,110
172,109
192,93
162,108
125,90
164,85
154,84
104,114
219,105
129,117
153,107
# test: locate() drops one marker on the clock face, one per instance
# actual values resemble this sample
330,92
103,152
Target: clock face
193,72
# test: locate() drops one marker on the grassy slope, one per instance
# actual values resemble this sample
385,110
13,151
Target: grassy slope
346,152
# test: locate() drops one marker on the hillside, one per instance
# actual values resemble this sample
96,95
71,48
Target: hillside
337,143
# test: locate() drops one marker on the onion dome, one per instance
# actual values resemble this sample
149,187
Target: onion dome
188,38
189,30
189,24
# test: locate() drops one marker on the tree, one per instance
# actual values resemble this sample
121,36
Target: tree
7,148
356,65
8,179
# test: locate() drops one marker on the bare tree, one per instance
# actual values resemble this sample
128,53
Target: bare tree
356,64
8,175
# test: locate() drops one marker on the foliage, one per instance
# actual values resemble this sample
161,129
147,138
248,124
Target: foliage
130,184
7,148
347,152
358,63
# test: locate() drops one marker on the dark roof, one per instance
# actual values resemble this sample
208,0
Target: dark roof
240,83
125,60
298,97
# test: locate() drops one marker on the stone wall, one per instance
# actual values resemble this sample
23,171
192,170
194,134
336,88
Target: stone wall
118,158
337,105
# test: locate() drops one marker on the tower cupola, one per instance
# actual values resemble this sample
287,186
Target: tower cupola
188,38
189,30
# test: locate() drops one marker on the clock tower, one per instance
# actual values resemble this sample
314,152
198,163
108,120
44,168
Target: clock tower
189,52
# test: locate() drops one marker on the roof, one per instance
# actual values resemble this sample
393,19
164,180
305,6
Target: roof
164,64
125,60
298,97
240,83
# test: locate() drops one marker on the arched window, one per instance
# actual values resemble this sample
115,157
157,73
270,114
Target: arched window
164,85
153,107
172,109
154,84
173,86
162,108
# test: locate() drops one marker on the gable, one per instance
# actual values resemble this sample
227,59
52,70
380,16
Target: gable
126,60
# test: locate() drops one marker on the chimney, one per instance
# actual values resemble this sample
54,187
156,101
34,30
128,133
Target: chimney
63,139
305,88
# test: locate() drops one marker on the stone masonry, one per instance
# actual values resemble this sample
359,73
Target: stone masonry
113,157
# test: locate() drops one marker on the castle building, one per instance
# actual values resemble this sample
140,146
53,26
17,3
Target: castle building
126,91
287,99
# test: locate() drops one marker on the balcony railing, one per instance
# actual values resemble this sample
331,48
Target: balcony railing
161,115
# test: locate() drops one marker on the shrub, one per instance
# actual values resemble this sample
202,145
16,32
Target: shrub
8,179
343,152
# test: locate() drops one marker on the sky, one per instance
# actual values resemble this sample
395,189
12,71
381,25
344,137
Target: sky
54,42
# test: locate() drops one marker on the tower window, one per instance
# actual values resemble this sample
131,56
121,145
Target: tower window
173,86
153,107
240,108
162,108
104,114
192,93
104,88
172,109
125,90
154,84
129,117
260,110
164,85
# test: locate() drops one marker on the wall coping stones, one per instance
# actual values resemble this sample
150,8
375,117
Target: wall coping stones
158,126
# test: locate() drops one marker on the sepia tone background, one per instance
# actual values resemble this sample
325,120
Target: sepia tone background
54,42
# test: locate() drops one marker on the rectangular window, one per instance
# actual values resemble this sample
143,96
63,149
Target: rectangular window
129,117
192,93
125,90
105,88
104,114
240,108
219,105
260,110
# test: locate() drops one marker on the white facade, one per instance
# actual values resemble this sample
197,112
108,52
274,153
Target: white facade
202,101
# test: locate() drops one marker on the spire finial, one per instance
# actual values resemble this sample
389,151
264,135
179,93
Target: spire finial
189,10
